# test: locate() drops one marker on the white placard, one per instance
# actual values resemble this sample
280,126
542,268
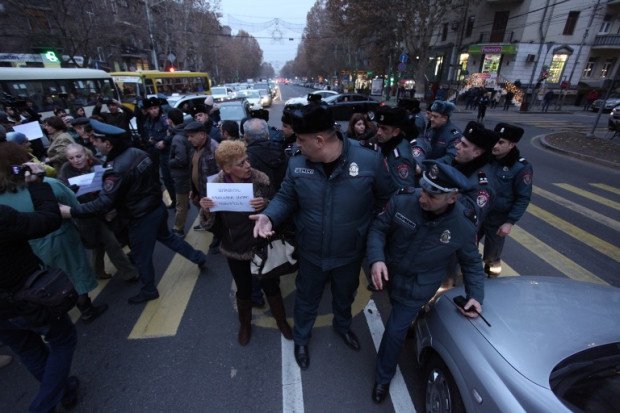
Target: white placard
230,197
82,179
32,130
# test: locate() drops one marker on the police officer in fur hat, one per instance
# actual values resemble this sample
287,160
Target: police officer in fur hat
394,145
513,188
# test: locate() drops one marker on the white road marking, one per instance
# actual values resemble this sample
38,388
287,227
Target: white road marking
292,389
401,400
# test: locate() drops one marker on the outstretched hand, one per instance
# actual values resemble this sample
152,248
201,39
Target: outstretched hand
262,227
379,274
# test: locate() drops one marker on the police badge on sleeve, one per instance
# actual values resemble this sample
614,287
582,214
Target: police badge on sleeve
482,199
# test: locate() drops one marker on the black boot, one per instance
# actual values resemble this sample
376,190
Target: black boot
277,309
244,308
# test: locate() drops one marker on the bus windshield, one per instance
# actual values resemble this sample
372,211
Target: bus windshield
45,90
146,83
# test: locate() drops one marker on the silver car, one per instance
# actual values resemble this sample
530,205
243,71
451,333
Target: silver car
553,346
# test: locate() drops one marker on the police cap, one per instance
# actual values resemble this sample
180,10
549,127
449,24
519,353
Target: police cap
391,116
312,119
443,107
105,130
509,132
480,136
441,178
153,101
80,121
200,108
195,127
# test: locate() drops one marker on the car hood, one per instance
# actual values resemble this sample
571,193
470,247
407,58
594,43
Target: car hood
536,322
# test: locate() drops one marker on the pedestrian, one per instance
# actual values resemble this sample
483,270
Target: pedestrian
180,168
548,98
512,175
131,186
440,137
394,146
330,187
156,133
95,232
590,98
118,114
360,128
483,102
408,246
202,113
509,96
238,241
59,139
229,130
44,345
21,139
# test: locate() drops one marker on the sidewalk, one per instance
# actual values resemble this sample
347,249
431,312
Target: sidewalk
601,151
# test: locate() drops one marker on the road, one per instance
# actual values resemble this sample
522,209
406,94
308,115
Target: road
180,354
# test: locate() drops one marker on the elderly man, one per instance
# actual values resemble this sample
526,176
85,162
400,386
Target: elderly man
408,245
329,188
438,142
201,114
264,154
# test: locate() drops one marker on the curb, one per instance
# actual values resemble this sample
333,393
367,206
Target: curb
611,164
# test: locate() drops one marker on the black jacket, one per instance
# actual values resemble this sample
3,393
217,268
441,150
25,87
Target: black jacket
131,186
17,259
268,157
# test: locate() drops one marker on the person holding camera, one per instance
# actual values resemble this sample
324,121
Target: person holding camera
44,345
117,115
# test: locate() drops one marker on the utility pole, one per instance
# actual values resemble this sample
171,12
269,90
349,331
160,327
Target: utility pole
149,24
542,40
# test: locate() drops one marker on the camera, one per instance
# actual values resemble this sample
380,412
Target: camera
20,170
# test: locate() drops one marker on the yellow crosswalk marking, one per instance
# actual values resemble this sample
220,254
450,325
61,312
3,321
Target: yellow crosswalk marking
608,188
596,243
586,212
564,264
507,270
590,195
162,317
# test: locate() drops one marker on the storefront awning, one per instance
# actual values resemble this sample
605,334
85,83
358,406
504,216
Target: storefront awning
493,48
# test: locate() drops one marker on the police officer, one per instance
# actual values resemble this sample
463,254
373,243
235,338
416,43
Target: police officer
328,188
513,181
395,146
438,142
408,245
416,122
131,188
473,159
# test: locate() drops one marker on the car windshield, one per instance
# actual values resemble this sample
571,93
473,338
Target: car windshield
232,112
263,92
590,380
331,99
218,90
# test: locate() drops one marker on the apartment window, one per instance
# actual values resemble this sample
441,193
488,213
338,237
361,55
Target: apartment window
444,32
571,22
469,28
606,25
500,21
557,67
589,68
607,66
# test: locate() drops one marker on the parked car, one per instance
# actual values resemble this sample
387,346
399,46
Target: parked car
303,100
344,105
221,93
614,119
253,96
612,101
553,345
236,109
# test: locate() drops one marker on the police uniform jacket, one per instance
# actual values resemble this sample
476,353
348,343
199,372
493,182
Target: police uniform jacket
513,181
480,198
400,162
332,213
130,185
438,144
416,246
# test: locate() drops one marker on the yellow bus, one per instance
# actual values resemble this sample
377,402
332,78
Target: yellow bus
146,83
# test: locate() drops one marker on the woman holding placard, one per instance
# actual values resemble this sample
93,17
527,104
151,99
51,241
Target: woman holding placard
236,231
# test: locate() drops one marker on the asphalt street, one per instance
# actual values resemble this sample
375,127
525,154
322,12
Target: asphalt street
180,353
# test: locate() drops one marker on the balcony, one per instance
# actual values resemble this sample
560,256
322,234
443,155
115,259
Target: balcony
607,41
496,37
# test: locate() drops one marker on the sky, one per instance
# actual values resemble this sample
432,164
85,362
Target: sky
259,19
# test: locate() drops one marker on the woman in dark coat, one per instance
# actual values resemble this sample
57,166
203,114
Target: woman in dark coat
238,239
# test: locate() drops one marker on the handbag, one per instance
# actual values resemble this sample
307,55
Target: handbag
274,258
49,288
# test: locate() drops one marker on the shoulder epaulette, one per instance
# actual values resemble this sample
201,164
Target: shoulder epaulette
370,145
396,153
482,178
406,190
523,160
455,131
297,151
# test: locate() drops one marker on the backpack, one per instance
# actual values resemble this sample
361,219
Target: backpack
49,288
